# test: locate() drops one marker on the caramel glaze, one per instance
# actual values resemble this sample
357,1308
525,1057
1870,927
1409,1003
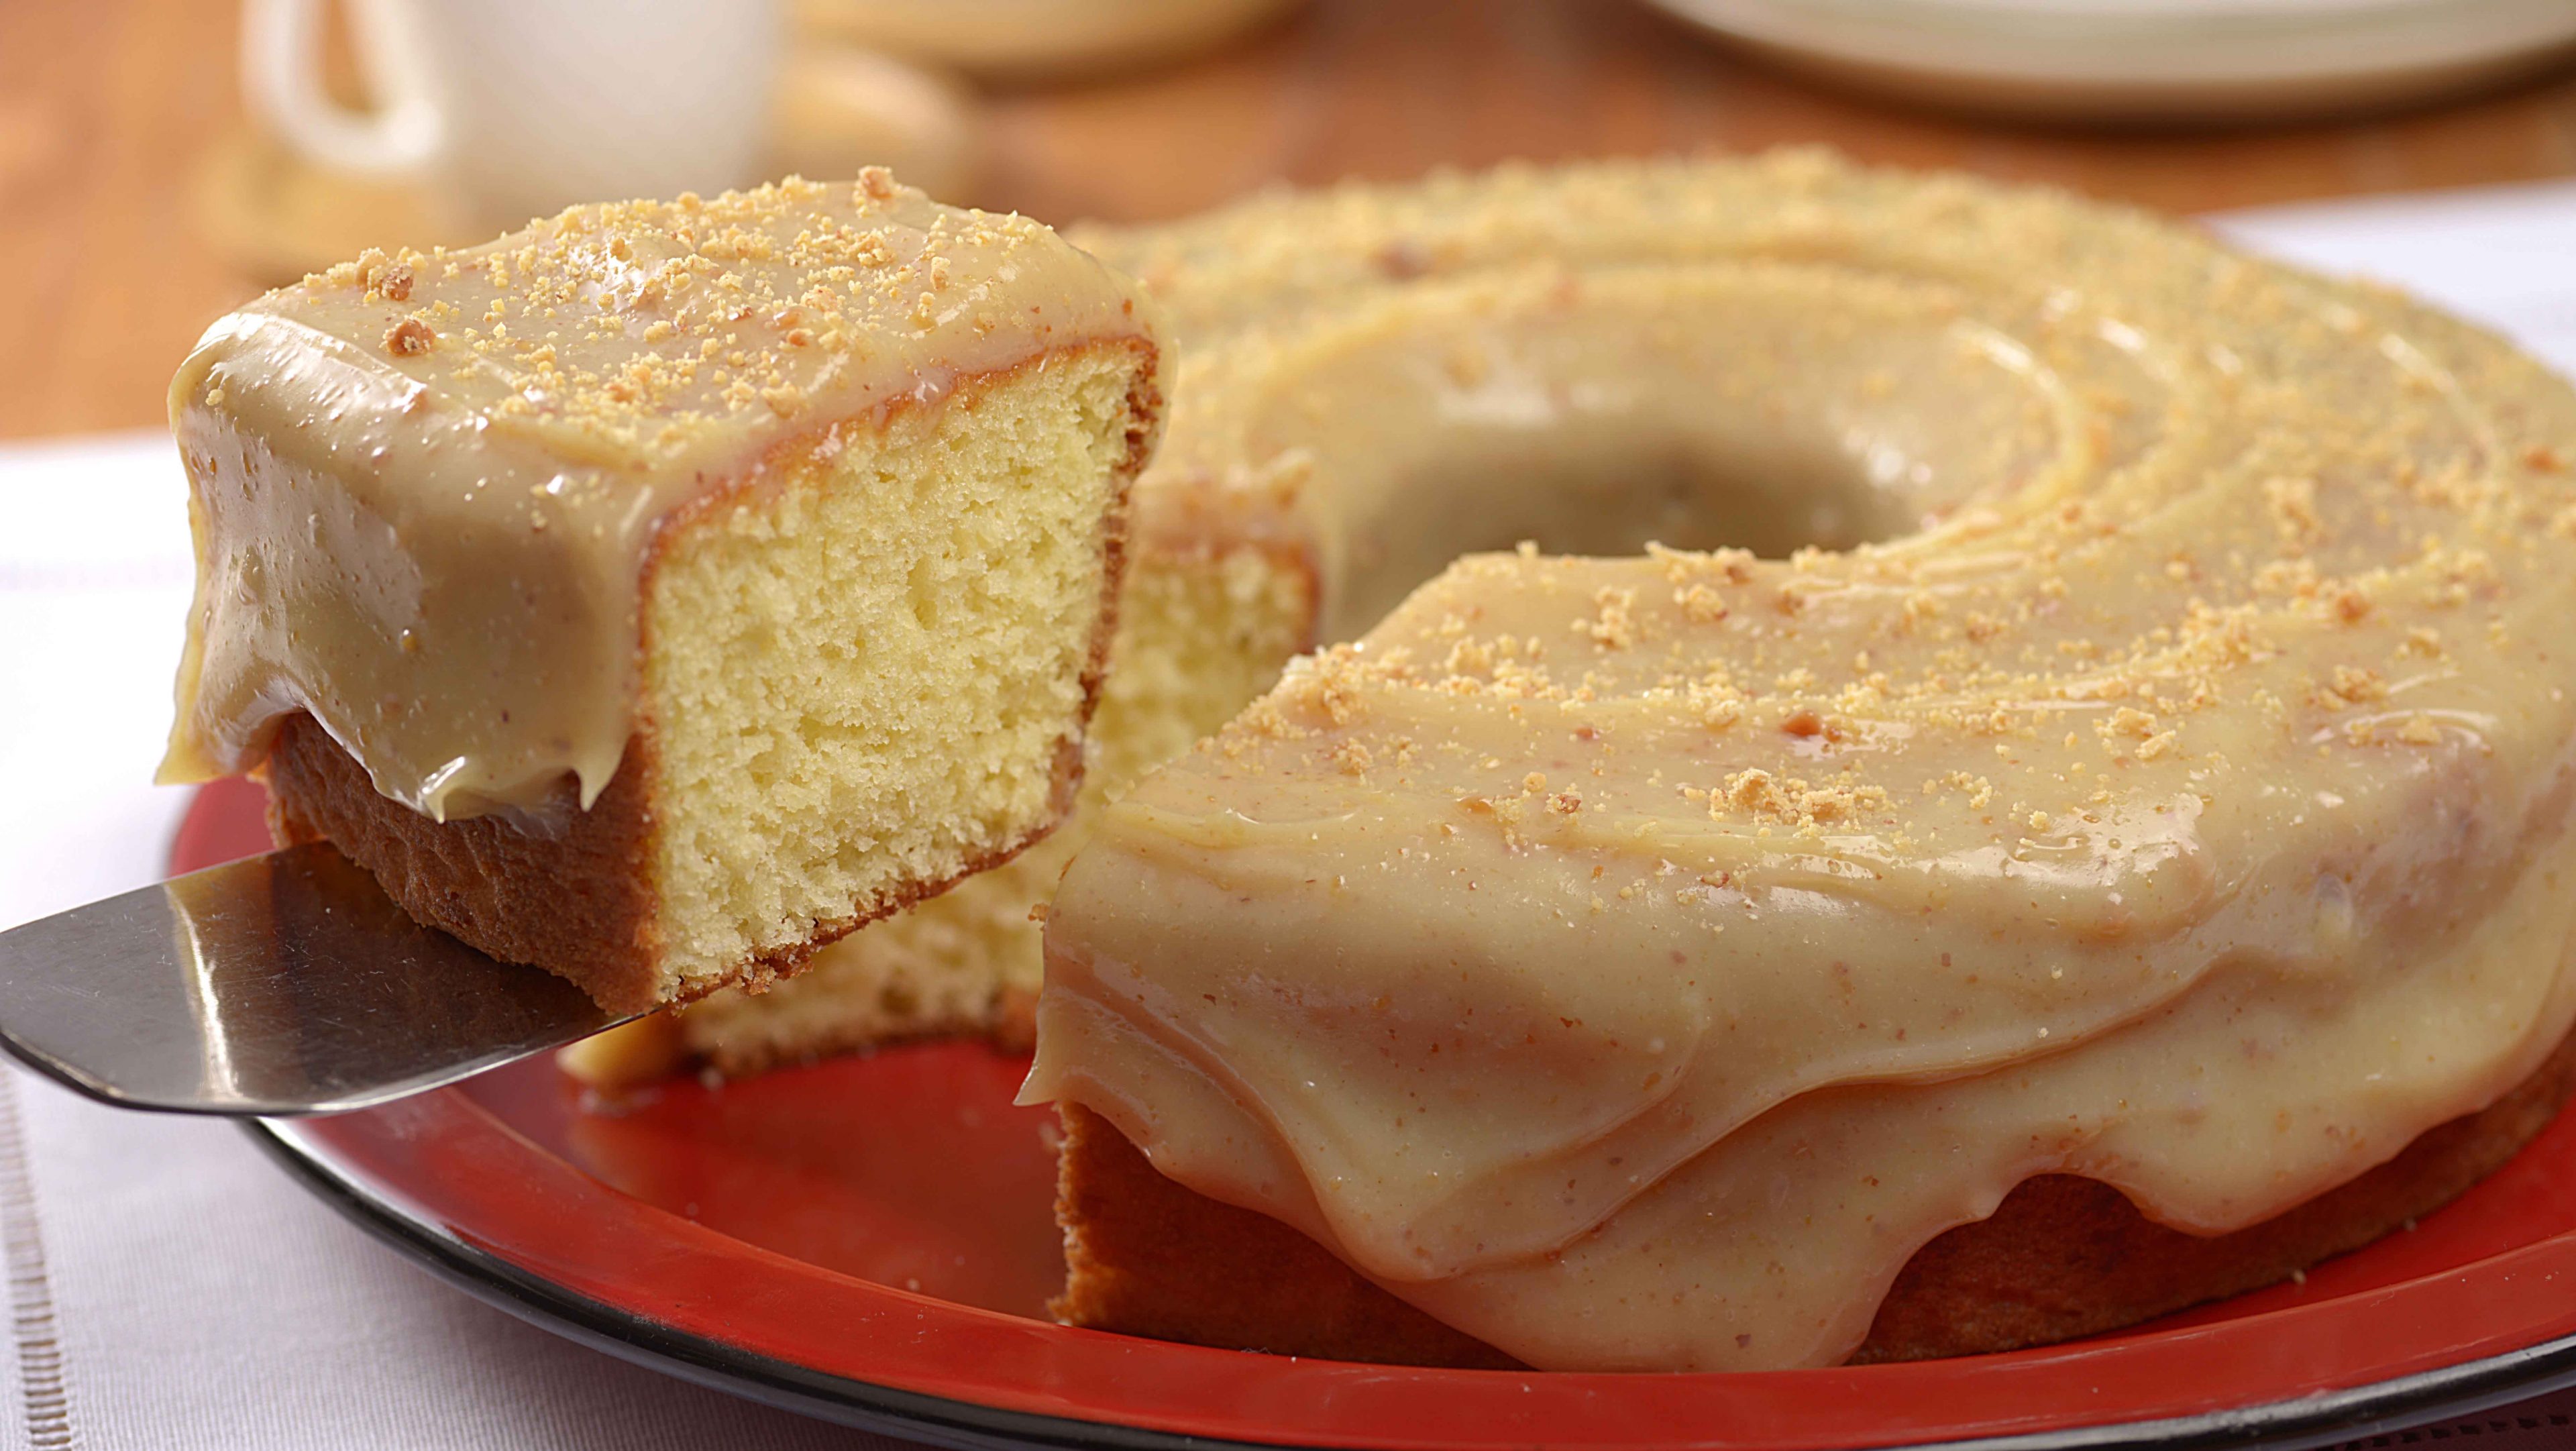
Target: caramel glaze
424,486
1632,961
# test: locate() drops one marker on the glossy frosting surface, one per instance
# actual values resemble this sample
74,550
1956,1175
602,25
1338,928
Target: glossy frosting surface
426,487
1633,960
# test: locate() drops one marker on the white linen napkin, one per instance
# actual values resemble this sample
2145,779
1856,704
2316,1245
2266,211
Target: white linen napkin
168,1286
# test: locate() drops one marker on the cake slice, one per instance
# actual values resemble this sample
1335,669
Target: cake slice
664,590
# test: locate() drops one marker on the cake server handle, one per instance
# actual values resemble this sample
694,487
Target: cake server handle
282,984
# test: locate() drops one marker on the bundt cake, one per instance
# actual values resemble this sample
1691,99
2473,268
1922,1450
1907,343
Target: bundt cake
2142,764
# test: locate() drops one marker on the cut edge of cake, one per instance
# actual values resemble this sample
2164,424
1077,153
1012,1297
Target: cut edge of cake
1199,635
941,735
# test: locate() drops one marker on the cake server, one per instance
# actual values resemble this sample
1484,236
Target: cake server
282,984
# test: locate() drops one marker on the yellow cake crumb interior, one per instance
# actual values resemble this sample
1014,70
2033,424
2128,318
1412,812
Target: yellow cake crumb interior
860,674
1198,638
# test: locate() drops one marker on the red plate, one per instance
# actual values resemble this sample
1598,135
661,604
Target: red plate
871,1241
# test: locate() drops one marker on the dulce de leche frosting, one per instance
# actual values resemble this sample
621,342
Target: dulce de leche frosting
426,487
1632,961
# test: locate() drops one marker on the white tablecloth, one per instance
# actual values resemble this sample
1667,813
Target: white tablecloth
169,1287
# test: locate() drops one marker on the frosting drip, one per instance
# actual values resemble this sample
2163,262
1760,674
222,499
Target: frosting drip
427,487
1632,961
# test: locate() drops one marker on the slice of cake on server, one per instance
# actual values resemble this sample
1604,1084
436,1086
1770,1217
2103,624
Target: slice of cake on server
661,591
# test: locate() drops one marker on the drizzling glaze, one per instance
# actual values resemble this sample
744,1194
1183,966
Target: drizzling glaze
1634,961
427,487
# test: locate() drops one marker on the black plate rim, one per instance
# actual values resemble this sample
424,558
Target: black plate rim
2297,1424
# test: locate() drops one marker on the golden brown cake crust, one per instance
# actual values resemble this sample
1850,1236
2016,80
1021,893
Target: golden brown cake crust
577,904
2061,1257
1145,1256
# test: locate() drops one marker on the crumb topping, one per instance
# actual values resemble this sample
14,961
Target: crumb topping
643,327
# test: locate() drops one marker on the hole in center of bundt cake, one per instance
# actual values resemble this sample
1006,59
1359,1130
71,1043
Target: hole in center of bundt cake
1763,407
1612,491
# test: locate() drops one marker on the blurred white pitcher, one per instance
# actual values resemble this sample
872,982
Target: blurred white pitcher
508,109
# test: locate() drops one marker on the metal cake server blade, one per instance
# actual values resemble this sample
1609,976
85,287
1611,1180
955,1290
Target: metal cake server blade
282,984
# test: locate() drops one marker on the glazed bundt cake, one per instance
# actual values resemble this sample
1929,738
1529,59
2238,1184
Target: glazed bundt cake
1646,962
2065,821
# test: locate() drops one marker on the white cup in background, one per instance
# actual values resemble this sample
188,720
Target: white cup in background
508,109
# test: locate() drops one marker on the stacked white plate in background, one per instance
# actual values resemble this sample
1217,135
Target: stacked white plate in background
2153,60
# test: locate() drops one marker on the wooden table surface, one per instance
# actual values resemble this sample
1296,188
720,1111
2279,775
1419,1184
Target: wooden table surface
107,108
